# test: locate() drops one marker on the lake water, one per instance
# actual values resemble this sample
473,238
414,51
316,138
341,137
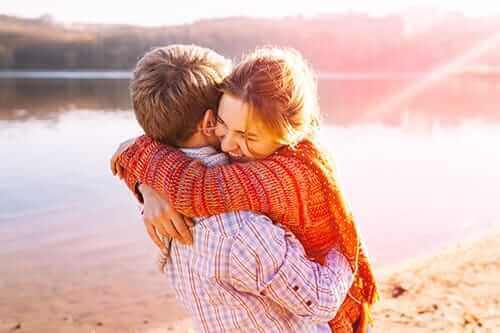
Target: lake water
419,163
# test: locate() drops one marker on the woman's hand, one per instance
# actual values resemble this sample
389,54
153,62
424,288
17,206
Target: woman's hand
161,219
116,169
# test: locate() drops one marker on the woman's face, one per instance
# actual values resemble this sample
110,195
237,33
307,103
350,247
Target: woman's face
232,128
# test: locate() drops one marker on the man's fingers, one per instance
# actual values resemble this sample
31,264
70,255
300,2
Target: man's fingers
182,229
154,236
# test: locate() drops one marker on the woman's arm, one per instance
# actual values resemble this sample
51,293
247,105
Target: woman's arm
272,186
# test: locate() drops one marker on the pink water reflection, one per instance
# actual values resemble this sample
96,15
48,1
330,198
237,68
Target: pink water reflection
412,188
415,189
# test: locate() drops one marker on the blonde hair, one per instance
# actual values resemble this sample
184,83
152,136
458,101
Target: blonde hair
173,86
280,89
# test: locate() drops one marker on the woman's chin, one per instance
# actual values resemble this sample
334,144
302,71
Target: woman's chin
239,158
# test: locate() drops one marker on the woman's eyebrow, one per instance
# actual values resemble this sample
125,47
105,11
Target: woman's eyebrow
251,135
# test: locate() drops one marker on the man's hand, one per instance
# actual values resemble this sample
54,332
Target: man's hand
116,169
161,219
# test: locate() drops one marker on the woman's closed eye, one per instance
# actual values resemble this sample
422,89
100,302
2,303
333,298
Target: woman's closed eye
242,135
220,121
250,138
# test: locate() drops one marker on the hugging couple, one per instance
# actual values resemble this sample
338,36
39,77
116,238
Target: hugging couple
254,232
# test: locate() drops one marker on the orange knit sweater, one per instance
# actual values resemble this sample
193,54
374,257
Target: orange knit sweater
293,187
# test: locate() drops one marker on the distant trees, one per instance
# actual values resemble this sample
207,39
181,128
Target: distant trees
333,43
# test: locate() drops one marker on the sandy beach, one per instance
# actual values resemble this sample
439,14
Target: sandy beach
62,286
457,290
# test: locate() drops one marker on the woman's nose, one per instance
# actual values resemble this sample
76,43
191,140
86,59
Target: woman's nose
229,144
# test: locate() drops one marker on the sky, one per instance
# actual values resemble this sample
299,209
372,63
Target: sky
168,12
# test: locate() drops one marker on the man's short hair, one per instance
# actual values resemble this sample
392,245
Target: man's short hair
173,86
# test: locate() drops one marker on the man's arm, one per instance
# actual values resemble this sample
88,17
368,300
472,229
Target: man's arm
266,260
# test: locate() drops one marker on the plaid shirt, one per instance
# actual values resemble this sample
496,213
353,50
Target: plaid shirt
245,274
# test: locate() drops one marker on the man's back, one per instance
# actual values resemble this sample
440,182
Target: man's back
245,274
211,276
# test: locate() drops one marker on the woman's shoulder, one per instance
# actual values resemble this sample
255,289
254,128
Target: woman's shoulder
308,151
308,161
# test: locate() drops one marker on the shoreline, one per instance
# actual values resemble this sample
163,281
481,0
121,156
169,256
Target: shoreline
449,247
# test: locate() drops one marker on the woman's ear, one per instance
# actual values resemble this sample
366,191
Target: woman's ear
208,123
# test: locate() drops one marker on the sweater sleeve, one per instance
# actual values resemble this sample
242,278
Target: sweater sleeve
269,186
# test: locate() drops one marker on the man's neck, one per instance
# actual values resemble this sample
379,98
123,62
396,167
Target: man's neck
192,145
194,141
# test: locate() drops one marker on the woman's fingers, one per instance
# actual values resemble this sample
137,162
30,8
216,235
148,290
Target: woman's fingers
114,165
160,227
120,172
172,225
116,168
154,235
166,227
182,228
189,222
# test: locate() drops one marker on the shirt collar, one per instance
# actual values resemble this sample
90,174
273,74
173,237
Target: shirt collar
207,154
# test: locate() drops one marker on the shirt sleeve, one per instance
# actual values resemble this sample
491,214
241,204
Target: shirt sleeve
269,261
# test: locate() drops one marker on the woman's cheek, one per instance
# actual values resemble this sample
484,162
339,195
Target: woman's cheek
219,132
229,144
246,151
264,149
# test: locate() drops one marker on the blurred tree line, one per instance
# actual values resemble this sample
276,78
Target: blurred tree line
332,43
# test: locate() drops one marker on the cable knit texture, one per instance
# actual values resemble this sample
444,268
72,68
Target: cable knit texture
294,187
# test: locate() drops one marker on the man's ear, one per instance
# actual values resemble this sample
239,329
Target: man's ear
208,123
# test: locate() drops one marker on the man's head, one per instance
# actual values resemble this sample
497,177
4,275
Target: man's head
173,87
